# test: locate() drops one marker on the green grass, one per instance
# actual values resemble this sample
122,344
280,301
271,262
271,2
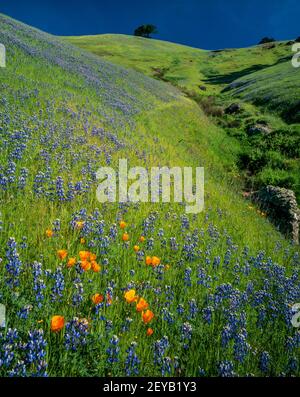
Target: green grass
275,88
260,75
184,66
65,113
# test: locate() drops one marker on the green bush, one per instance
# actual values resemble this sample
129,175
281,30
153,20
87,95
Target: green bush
276,177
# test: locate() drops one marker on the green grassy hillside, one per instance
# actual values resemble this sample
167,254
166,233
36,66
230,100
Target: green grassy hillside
275,88
187,67
260,75
95,289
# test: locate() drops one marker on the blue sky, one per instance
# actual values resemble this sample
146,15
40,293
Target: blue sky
206,24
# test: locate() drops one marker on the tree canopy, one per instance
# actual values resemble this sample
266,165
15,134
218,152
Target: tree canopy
266,40
145,31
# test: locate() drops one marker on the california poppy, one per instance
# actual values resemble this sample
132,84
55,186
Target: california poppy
71,262
49,233
150,331
142,239
136,248
97,298
95,267
155,261
130,296
85,265
147,316
123,225
82,241
62,254
125,237
93,257
57,323
148,260
84,255
142,305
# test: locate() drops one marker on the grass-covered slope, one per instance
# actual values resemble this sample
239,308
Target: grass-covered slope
220,285
189,68
261,75
276,88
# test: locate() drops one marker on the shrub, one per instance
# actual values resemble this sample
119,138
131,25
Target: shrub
252,159
276,177
266,40
275,160
210,108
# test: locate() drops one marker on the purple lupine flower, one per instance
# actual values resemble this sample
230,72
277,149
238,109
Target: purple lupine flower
132,362
113,350
76,334
226,369
14,264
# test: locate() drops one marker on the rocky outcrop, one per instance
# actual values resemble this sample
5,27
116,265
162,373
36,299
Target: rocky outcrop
281,207
258,128
233,108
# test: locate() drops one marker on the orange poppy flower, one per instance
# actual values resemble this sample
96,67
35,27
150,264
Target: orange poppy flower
93,257
95,267
85,265
82,241
49,233
97,298
147,316
136,248
123,225
125,237
142,305
130,296
57,323
155,261
148,260
62,254
150,331
142,239
84,255
71,262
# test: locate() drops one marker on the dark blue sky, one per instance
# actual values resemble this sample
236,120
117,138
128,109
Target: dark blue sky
208,24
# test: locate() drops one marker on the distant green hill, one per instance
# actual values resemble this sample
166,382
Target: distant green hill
182,65
261,75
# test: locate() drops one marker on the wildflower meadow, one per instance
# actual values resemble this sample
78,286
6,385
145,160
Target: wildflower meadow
127,289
